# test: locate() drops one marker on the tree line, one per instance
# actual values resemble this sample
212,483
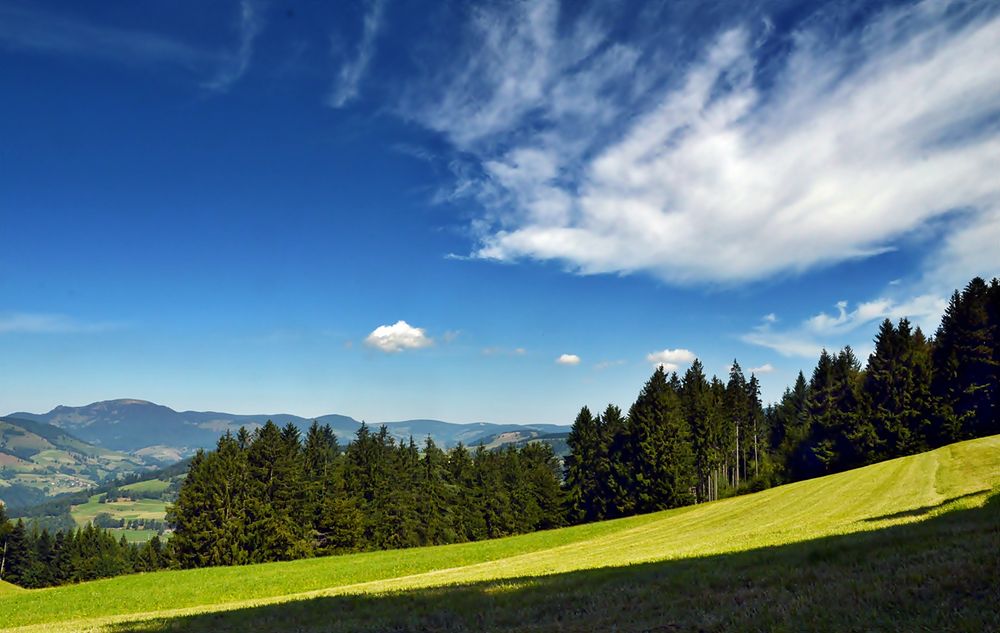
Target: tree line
689,439
273,495
36,558
270,495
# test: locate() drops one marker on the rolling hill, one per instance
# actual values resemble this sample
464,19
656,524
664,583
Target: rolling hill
907,544
154,431
39,460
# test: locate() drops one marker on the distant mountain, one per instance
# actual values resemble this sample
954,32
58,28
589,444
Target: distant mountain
39,460
154,431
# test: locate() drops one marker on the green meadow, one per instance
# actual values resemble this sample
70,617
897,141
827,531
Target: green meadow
6,587
138,509
907,544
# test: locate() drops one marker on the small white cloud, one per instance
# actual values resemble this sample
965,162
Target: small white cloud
671,359
770,318
520,351
568,359
766,368
398,337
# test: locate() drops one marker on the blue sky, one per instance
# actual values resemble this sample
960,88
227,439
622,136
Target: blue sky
492,213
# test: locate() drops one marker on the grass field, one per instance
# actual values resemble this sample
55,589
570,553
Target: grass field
6,587
138,509
909,544
156,486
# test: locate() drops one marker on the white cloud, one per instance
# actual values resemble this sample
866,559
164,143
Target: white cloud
925,310
860,140
766,368
351,72
36,323
771,318
236,64
568,359
398,337
846,326
671,359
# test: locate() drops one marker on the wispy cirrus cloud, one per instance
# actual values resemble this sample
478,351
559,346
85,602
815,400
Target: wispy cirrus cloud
348,81
737,162
38,30
46,323
236,63
503,351
31,29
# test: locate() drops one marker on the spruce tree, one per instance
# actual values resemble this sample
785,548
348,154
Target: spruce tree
664,461
737,407
581,468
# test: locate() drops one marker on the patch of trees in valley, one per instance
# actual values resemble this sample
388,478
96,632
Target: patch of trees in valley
273,495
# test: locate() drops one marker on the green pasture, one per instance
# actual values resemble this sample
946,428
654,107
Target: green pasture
138,509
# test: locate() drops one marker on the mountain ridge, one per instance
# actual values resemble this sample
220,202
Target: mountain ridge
143,427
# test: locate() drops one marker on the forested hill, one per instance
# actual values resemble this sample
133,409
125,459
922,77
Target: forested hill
38,460
156,431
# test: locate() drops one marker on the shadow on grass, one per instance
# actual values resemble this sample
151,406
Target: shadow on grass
941,574
918,512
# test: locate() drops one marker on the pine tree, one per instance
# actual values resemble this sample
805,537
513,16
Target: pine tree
581,468
664,461
468,520
737,407
790,429
966,366
609,425
703,418
755,423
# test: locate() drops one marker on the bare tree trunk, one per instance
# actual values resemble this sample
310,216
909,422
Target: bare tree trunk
3,561
737,485
756,458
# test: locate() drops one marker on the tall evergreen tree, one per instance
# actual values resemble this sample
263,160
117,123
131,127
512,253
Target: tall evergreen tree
737,406
664,461
966,367
703,417
581,468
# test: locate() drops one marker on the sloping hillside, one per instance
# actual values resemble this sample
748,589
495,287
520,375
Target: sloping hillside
922,520
6,587
38,460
